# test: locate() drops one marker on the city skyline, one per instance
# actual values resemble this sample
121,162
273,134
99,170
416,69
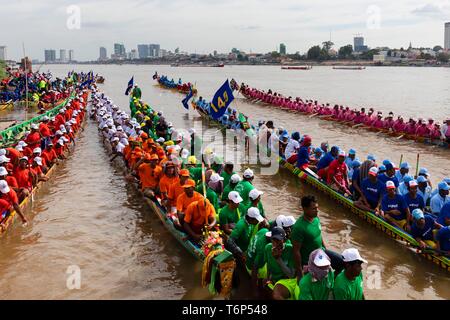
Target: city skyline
171,24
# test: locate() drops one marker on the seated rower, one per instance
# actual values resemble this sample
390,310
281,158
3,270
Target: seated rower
303,156
231,213
175,190
184,200
389,175
227,173
403,187
245,186
318,282
25,178
348,285
443,240
441,198
371,192
292,148
324,162
198,215
254,200
412,199
444,215
168,178
9,195
422,229
149,173
337,176
234,180
394,208
403,171
36,169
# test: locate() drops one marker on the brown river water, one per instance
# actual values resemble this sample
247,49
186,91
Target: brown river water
88,217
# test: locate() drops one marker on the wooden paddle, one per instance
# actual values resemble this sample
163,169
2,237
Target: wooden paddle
417,164
313,115
357,125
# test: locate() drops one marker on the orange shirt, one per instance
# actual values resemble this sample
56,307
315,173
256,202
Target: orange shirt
149,176
175,190
36,170
45,130
49,156
166,182
23,178
183,201
196,217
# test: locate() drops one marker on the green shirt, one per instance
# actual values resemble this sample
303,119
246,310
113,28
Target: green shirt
196,174
228,216
226,177
274,270
309,235
244,188
255,251
226,191
260,207
242,233
311,289
345,289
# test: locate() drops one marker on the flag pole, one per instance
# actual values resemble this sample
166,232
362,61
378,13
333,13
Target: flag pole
26,81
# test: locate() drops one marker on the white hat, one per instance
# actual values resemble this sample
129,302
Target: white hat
255,194
38,160
4,188
185,153
321,259
45,118
58,133
2,152
235,178
73,121
215,177
37,150
4,159
254,213
22,143
373,171
170,125
24,158
413,183
34,126
235,197
342,153
390,185
60,142
288,221
65,139
3,171
115,139
160,140
19,148
191,130
279,220
119,128
352,254
248,173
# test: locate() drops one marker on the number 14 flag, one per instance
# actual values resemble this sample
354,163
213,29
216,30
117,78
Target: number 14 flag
221,101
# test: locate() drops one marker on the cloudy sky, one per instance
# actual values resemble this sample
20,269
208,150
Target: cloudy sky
205,25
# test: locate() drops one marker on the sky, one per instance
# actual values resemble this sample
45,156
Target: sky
202,26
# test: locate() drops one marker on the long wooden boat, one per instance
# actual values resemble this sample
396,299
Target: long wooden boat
9,221
296,67
394,232
349,68
177,88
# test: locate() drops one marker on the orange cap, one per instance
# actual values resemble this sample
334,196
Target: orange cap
184,173
137,149
189,183
172,151
154,157
144,135
161,153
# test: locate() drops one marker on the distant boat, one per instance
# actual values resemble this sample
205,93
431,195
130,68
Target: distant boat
217,65
349,68
296,67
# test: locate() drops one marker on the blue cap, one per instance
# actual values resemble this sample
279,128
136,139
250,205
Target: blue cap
356,163
318,150
352,151
408,178
386,161
405,165
382,168
424,171
371,157
417,214
389,166
335,148
421,179
446,180
443,186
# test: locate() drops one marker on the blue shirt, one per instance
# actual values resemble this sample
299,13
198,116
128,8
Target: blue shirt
416,203
388,204
437,202
445,213
383,178
426,195
399,176
355,175
302,156
372,191
426,233
325,161
443,236
402,189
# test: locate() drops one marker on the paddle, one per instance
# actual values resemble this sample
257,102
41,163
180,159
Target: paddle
399,137
417,164
401,160
313,115
357,125
438,251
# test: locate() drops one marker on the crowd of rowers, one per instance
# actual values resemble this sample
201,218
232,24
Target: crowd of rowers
287,255
371,118
406,201
164,80
24,164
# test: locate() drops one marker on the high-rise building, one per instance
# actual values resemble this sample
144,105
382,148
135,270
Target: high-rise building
143,51
282,48
358,44
103,54
119,51
447,36
71,56
50,55
3,53
133,54
62,55
154,50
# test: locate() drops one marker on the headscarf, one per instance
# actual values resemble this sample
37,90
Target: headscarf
364,170
317,273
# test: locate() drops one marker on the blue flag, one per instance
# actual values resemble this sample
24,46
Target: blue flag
222,99
130,86
185,101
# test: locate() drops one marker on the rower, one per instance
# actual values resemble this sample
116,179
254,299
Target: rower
303,158
245,186
234,180
325,161
199,214
443,240
9,195
231,213
424,189
394,208
337,177
371,192
318,283
149,173
441,198
184,200
175,190
423,229
424,172
292,148
214,190
349,283
227,172
444,215
350,158
404,170
389,175
168,178
36,169
254,200
412,199
25,178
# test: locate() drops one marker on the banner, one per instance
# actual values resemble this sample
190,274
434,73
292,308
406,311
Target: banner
222,99
185,101
130,86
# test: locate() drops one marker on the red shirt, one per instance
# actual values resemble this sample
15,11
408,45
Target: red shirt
11,197
45,130
36,170
33,139
338,171
4,206
13,154
12,182
23,178
49,156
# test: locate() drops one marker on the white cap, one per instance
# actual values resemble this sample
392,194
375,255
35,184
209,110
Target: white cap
279,220
254,213
413,183
60,142
119,128
65,139
19,148
37,150
390,184
352,254
45,118
73,121
342,153
115,139
3,171
58,133
373,171
38,160
215,177
248,173
160,140
185,153
235,197
22,143
322,260
34,126
288,221
254,194
191,130
4,159
63,130
24,158
4,188
2,152
235,178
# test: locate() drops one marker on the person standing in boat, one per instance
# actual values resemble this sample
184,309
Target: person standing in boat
348,285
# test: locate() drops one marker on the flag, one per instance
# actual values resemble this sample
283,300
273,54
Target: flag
130,86
222,99
185,101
